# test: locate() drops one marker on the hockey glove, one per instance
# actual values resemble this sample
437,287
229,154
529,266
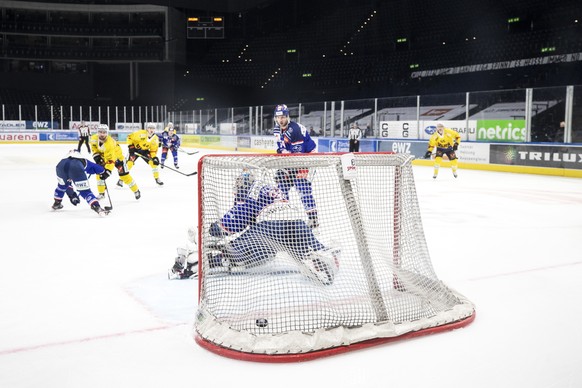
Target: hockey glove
105,174
455,146
427,155
155,161
99,159
131,149
216,230
75,200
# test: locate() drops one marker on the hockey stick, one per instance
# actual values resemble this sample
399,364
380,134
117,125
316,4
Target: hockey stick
188,153
110,207
169,168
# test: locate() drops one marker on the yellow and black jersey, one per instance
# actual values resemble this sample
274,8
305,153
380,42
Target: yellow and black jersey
446,140
109,150
141,140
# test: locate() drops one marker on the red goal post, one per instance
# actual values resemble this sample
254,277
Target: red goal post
278,291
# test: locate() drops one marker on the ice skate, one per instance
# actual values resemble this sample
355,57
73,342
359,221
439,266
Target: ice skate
120,183
137,194
176,271
323,265
99,210
159,182
58,204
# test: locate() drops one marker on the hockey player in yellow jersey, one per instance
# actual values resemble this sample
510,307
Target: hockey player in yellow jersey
143,144
446,142
107,153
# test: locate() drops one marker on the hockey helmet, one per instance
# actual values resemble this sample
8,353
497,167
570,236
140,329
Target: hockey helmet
170,125
281,110
281,115
242,185
103,128
151,128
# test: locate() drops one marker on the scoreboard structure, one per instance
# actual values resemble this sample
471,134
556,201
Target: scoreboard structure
205,27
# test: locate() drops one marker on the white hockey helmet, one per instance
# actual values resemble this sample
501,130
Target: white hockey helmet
151,128
103,128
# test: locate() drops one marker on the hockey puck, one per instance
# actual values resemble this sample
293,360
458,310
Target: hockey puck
262,322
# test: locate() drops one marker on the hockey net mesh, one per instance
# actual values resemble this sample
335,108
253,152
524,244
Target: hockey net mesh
269,296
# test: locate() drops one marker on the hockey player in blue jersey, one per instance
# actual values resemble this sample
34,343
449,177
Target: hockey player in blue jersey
263,223
169,141
72,171
293,138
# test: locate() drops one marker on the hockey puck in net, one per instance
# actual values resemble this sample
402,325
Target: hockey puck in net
262,322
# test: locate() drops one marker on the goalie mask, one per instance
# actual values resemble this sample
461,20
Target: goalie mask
282,116
242,186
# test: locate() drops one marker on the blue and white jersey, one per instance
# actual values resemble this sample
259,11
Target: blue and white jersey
261,204
295,139
94,168
170,140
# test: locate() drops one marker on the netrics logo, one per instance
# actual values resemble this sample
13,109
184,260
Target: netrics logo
501,130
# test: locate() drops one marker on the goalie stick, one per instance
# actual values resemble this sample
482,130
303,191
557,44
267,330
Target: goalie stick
168,167
188,153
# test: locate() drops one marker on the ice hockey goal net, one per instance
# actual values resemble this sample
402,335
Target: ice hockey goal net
278,290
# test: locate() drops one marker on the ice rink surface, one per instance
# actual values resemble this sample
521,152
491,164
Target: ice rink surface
85,301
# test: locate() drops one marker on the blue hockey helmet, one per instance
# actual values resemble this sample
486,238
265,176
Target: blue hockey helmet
281,110
281,116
